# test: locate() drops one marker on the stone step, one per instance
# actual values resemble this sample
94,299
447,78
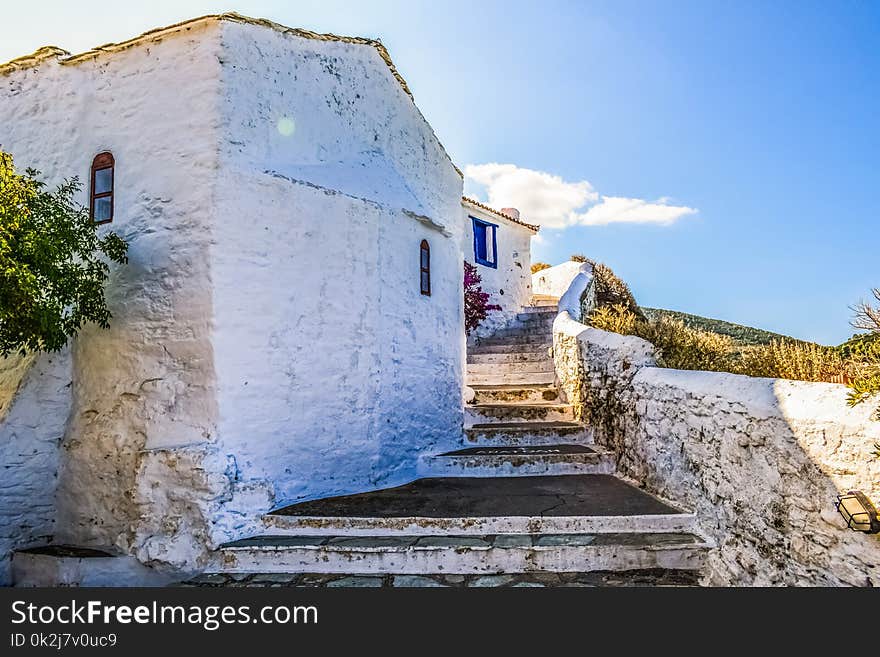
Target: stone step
545,365
543,300
512,378
493,394
665,577
463,554
571,504
501,347
514,412
524,461
513,357
531,342
537,314
545,308
530,332
528,320
527,433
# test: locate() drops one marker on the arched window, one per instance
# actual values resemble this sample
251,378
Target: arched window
425,268
101,199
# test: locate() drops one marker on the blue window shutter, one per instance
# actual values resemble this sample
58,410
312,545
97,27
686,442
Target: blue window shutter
485,244
480,241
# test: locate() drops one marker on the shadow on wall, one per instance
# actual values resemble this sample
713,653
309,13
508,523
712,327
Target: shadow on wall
760,461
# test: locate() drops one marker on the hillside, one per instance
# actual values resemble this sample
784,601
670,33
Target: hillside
745,335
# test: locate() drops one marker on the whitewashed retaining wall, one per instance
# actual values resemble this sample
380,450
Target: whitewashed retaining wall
760,461
510,284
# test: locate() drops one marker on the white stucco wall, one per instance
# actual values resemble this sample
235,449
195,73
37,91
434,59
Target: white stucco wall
34,407
148,381
556,280
510,284
269,341
334,372
760,461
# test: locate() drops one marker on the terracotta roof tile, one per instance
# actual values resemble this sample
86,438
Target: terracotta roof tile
500,214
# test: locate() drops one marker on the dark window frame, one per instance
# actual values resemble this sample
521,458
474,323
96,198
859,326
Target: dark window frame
102,162
485,226
425,268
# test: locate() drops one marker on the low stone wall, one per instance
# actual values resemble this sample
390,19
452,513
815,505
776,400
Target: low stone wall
759,461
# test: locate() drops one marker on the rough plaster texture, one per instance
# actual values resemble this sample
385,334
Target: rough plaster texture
324,344
760,461
269,341
510,284
34,406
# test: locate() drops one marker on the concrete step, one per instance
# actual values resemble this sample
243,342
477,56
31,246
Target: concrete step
512,378
528,320
487,346
545,365
524,461
545,308
665,577
537,314
493,394
518,412
513,357
527,433
530,332
463,554
474,506
532,342
543,300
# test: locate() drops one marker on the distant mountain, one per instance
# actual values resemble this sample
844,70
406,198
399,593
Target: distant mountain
744,335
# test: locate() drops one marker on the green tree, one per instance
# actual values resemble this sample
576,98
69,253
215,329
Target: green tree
53,264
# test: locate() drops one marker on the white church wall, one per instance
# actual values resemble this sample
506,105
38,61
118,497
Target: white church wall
334,372
148,381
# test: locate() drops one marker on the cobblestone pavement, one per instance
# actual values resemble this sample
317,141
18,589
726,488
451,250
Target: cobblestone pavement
658,577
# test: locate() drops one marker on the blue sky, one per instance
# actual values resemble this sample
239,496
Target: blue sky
723,158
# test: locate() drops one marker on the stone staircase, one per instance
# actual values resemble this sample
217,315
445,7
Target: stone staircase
527,495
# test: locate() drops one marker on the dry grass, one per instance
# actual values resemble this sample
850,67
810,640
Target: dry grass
684,348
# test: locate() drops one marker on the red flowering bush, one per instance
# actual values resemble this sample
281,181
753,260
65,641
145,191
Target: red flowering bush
476,306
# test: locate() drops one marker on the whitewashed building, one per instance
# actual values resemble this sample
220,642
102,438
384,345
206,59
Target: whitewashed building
289,325
498,244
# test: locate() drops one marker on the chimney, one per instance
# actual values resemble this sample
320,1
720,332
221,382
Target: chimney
511,212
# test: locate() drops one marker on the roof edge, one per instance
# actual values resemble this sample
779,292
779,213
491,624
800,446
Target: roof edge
64,57
534,228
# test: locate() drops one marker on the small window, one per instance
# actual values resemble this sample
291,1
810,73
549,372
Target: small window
425,267
485,246
101,201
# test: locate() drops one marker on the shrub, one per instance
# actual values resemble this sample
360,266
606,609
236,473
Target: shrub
539,266
476,302
612,291
52,263
800,361
616,319
865,383
678,346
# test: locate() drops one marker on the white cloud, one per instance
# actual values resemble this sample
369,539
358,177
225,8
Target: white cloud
550,201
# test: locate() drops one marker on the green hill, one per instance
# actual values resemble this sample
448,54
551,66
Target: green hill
744,335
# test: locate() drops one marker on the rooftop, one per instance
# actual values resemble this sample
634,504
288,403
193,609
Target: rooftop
66,58
498,213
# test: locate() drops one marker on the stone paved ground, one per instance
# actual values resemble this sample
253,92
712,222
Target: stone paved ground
657,577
